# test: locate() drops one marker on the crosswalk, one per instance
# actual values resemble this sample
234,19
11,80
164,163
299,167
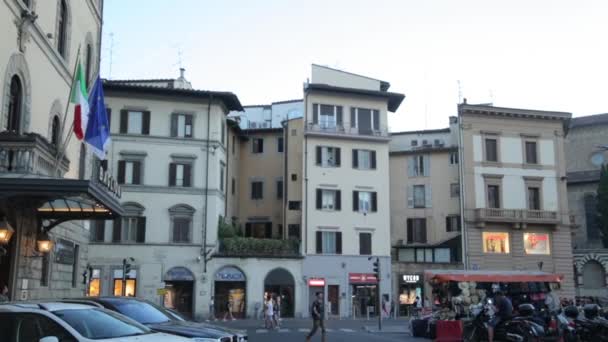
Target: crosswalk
301,330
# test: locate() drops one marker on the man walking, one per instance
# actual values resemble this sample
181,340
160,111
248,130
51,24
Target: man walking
318,316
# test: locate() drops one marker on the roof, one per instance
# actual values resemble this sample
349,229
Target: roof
148,80
465,108
394,99
424,131
589,120
423,150
384,85
492,276
253,131
580,177
230,99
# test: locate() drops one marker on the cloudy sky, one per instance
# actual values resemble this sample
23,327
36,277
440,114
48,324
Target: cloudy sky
540,54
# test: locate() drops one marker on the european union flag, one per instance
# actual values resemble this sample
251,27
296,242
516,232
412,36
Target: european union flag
98,130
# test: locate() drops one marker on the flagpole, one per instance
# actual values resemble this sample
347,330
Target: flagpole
61,147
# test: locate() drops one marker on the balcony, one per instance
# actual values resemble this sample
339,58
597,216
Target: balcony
30,154
244,247
337,130
520,217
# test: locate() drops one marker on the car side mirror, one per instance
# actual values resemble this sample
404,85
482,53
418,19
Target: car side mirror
49,339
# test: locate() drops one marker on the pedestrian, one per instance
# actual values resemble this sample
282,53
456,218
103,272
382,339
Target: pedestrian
277,310
229,310
317,312
269,313
4,293
385,306
504,311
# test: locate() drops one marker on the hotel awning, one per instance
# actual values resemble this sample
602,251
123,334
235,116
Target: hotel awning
492,276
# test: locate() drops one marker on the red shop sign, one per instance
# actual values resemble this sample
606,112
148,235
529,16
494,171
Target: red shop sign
316,282
362,278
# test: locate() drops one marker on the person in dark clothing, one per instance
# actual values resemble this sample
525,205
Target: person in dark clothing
504,311
318,316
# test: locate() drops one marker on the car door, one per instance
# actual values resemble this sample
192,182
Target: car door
31,327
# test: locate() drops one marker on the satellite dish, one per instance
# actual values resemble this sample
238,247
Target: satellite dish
597,159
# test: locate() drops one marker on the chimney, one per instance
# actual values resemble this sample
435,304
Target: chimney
181,72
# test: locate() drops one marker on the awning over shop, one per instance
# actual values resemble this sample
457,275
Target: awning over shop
492,276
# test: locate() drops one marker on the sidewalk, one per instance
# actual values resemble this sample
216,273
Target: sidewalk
390,325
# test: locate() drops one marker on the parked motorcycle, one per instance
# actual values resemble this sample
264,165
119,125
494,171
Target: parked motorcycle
590,327
477,329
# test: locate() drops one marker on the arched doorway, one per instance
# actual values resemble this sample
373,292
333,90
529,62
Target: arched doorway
230,289
179,282
594,275
280,282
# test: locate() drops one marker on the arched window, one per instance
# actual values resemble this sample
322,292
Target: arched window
82,161
181,223
15,103
594,276
88,64
62,28
55,131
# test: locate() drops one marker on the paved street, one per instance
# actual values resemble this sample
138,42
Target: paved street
337,330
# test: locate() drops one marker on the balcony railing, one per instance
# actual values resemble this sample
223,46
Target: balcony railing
30,153
252,247
516,215
339,129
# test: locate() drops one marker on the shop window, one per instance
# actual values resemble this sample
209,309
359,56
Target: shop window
95,283
496,243
130,288
537,243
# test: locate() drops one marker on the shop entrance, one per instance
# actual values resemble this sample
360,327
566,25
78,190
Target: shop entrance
281,283
365,300
7,255
179,282
333,299
230,289
410,287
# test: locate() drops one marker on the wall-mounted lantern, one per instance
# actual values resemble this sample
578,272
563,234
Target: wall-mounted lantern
6,231
43,243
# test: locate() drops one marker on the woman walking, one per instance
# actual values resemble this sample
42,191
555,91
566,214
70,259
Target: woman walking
229,310
277,310
269,314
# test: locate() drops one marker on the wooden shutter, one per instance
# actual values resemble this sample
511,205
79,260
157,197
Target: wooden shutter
373,159
374,202
109,117
337,149
190,122
315,113
318,155
428,202
187,174
136,172
319,242
247,229
427,165
141,229
339,116
268,230
355,200
423,231
376,119
411,162
338,200
145,126
353,118
174,121
172,171
410,231
410,196
319,198
355,159
124,121
116,230
365,243
338,242
121,171
448,224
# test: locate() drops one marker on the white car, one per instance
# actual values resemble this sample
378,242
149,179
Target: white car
62,322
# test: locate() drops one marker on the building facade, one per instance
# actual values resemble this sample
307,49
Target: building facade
425,210
586,152
346,215
269,115
513,180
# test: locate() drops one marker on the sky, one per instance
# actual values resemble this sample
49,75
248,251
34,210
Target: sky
534,54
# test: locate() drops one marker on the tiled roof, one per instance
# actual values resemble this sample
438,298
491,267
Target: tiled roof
590,176
589,120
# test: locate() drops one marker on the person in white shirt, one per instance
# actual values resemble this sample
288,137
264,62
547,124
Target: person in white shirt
269,314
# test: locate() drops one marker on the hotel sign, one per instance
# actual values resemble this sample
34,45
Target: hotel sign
105,178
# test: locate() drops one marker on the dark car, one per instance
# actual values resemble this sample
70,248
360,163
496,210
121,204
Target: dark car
160,319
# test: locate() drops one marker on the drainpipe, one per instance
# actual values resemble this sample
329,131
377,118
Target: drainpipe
226,186
205,215
305,194
285,125
464,244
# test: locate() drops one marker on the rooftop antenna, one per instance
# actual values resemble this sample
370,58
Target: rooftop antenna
180,55
491,96
459,92
111,53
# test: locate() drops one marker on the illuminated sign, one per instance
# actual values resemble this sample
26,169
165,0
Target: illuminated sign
411,278
316,282
362,278
537,243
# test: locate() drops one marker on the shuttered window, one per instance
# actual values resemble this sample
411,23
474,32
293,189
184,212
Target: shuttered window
181,125
328,242
180,174
416,230
134,122
257,190
365,243
129,172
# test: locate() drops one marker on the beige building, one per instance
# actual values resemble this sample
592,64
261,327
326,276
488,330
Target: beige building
41,42
514,190
292,199
425,209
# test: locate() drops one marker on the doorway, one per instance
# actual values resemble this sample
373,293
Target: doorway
179,297
229,294
364,300
333,298
280,282
7,255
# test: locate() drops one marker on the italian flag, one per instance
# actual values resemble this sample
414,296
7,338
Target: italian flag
79,98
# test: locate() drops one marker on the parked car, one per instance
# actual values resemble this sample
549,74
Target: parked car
160,319
65,322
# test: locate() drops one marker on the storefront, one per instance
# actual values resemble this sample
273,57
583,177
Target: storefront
130,281
364,291
280,283
411,286
230,290
179,282
315,285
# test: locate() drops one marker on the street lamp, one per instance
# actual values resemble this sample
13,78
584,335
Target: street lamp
6,231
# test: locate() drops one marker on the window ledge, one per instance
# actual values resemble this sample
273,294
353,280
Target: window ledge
491,163
532,166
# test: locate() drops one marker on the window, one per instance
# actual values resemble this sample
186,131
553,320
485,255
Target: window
328,117
98,231
419,196
364,159
88,61
491,149
407,255
129,172
418,166
493,196
181,125
454,190
62,27
259,230
82,161
416,230
95,283
75,266
55,131
365,243
295,205
365,201
180,174
453,158
293,231
414,143
442,255
329,242
222,177
233,186
280,144
537,243
452,223
181,230
280,189
134,122
531,152
233,144
294,177
129,229
533,198
223,133
425,255
365,120
328,156
15,103
130,287
495,242
257,190
593,230
257,145
328,199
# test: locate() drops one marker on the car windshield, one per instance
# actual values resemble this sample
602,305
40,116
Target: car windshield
100,324
142,312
